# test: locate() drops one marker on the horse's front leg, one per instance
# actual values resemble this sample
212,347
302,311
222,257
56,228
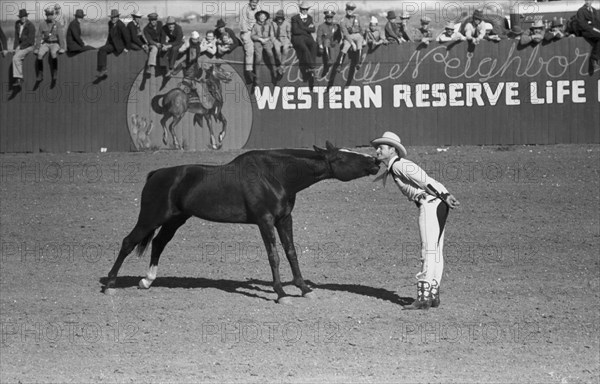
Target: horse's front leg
223,129
268,235
286,234
213,141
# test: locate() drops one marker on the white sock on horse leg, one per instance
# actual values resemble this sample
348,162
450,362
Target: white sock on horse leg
150,277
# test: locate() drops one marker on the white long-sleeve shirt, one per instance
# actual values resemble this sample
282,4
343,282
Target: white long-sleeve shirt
412,179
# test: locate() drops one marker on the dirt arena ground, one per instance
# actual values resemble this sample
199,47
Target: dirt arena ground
519,296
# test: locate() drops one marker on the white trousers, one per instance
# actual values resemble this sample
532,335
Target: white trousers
432,220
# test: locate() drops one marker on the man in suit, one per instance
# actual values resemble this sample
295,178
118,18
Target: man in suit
74,42
116,43
155,36
138,41
23,45
173,41
305,45
588,21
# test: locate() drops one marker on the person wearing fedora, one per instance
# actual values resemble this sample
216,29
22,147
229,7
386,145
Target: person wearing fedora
173,41
49,39
403,27
302,40
588,22
433,201
116,42
474,28
155,36
23,44
328,36
283,37
247,21
352,36
263,36
424,33
515,32
450,33
227,41
534,35
392,31
138,41
75,43
556,31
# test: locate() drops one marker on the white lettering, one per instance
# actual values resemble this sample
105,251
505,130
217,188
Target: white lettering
402,92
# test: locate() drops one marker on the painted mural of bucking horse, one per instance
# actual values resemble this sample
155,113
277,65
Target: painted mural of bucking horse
203,98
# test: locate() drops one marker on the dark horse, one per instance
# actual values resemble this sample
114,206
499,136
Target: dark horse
257,187
176,103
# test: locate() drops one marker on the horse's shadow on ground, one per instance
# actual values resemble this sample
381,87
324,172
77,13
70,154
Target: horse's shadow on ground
257,288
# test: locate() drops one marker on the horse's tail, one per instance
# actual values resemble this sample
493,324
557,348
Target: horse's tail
156,104
143,245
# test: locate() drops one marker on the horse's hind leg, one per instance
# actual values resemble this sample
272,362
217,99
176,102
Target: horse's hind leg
214,144
175,121
166,233
140,235
285,229
163,123
223,129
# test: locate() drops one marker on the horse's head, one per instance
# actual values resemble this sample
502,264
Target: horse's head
347,165
220,74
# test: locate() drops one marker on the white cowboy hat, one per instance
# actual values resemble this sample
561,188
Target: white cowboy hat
374,20
391,139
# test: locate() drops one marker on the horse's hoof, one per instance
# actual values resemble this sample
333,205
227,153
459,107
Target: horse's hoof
285,300
110,291
311,295
144,284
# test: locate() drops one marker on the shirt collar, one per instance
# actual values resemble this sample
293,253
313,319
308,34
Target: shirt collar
392,161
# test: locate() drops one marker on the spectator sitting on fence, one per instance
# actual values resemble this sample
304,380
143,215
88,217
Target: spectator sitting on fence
116,43
74,42
247,21
138,41
392,32
23,44
302,40
49,39
588,23
403,27
155,36
424,33
534,35
227,41
474,29
3,43
373,35
556,30
352,35
263,35
450,33
515,33
490,34
328,36
173,41
283,36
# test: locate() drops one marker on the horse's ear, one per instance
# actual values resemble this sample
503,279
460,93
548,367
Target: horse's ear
330,147
320,150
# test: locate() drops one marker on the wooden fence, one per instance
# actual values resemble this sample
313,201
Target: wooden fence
493,93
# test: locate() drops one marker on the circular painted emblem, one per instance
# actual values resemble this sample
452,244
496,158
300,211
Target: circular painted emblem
207,107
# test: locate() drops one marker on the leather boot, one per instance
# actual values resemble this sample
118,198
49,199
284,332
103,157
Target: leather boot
341,62
39,70
423,300
435,294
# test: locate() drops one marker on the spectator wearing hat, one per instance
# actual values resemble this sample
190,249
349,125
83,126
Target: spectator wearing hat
403,27
3,43
116,43
227,41
247,21
283,36
474,29
302,39
514,33
263,36
352,35
208,45
588,21
74,42
373,35
155,36
328,36
138,41
392,31
23,44
424,33
433,202
490,34
173,41
534,35
555,32
450,33
49,39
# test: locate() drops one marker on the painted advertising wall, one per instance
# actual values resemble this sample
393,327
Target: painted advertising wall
493,93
